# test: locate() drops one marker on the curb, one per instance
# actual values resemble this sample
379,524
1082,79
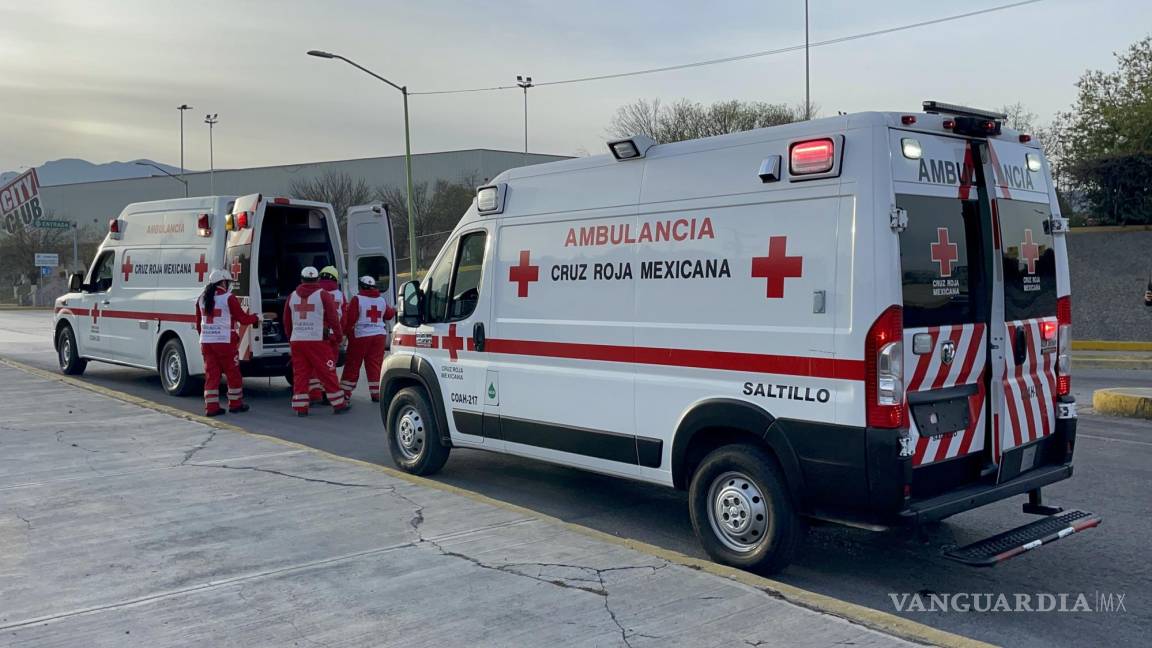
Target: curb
1110,345
1127,402
874,619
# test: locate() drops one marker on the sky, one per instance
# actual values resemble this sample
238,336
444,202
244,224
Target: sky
100,79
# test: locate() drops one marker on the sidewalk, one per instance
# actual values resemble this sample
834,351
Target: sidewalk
121,525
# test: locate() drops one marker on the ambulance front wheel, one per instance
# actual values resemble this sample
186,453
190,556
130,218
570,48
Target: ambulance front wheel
71,364
174,368
413,437
742,511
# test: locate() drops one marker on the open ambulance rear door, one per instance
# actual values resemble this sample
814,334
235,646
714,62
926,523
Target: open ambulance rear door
371,250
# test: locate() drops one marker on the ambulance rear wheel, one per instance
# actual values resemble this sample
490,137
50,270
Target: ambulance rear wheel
174,369
413,437
71,364
742,511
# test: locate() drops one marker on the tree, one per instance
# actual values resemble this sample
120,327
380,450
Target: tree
686,119
338,189
1107,137
438,210
1019,117
18,250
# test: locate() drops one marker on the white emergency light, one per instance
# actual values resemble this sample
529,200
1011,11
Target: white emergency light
490,199
910,146
631,148
1033,161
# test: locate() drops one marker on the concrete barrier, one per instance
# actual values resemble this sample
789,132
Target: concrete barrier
1131,402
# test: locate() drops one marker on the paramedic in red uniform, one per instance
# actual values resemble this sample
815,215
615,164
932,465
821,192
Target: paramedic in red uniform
366,326
218,312
330,282
312,324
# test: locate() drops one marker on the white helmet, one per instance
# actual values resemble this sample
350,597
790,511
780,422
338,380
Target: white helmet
218,275
368,281
309,273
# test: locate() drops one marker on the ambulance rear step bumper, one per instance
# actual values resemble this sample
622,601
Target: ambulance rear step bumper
1001,547
970,497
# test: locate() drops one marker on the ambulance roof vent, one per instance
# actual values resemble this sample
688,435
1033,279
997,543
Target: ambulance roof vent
962,111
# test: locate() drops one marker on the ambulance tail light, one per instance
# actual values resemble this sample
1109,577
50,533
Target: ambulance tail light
204,225
114,232
1064,346
812,156
884,370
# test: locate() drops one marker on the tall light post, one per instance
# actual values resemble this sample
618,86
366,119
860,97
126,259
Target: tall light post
807,77
161,170
525,82
407,151
182,108
211,121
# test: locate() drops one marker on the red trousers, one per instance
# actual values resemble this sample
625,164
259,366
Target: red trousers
314,359
369,351
221,358
315,389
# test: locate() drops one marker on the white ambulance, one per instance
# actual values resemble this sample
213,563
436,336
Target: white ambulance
136,305
862,319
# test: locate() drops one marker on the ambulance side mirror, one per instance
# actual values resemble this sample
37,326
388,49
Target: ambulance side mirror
76,282
411,304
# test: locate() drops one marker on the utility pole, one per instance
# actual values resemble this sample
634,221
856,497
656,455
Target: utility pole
525,82
211,121
807,77
182,108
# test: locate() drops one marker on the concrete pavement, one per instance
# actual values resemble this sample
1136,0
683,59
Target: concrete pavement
121,525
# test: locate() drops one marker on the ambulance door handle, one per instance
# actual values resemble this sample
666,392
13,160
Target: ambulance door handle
1020,346
106,302
478,335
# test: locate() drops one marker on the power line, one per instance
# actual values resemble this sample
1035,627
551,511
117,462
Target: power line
751,55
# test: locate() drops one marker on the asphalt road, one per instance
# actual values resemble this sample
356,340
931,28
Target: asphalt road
1113,478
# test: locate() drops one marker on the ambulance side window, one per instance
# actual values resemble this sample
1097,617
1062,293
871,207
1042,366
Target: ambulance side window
101,278
469,269
1029,260
438,286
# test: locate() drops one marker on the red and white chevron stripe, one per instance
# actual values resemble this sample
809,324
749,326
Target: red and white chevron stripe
928,372
1029,388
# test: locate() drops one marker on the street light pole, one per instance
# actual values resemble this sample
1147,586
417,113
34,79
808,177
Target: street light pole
807,77
211,121
525,83
407,151
161,170
182,108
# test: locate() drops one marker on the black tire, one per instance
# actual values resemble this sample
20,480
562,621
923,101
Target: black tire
288,373
413,436
742,511
173,367
71,364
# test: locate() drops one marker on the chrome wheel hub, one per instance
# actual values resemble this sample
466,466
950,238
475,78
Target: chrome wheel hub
736,512
172,368
410,435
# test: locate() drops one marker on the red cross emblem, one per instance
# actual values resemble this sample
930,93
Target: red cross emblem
452,342
213,315
201,269
95,312
374,314
944,252
236,267
303,308
1029,251
523,274
126,268
777,266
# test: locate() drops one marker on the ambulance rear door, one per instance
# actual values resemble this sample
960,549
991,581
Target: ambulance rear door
1030,259
945,263
370,249
241,223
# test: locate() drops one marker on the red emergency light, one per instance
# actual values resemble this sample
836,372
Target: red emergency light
114,229
908,120
812,156
281,201
1025,138
242,220
1048,328
204,225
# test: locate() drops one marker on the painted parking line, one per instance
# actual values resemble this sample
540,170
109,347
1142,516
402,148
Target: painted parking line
868,617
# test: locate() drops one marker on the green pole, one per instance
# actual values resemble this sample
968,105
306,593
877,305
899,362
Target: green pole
408,177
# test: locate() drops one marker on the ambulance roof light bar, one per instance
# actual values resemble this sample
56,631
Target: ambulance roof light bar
941,107
631,148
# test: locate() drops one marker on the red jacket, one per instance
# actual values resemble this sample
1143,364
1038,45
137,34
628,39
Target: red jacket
239,315
352,312
331,314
